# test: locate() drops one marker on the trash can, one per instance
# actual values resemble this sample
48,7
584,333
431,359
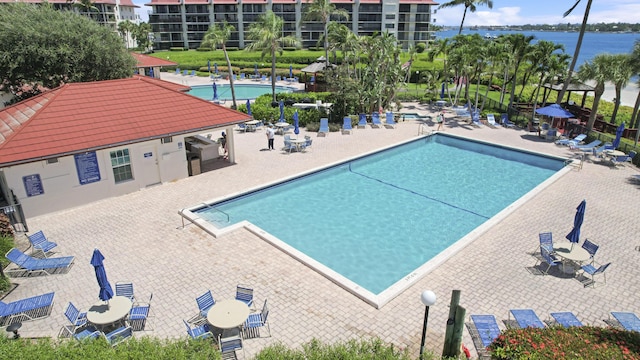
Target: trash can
193,161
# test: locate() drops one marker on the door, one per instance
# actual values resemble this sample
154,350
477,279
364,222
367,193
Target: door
150,168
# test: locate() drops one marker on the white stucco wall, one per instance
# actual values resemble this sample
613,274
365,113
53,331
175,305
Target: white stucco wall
151,162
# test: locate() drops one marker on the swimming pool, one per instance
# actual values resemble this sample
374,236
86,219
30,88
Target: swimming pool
410,207
243,91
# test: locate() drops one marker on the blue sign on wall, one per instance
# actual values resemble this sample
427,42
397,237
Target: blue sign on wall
33,185
87,167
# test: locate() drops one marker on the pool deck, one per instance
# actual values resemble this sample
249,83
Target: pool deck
143,241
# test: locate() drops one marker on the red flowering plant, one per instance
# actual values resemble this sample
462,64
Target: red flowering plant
586,342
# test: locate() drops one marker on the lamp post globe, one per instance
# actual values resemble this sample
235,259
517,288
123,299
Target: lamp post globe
428,298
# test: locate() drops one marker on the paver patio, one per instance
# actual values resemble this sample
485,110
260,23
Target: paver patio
143,241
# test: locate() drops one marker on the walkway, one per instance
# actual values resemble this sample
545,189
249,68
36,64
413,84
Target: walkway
143,241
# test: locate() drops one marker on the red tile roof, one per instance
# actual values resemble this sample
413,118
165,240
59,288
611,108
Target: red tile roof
150,61
81,117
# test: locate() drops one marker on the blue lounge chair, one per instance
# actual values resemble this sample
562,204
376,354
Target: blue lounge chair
389,122
28,265
185,73
346,126
491,121
525,318
362,121
566,319
39,242
177,71
324,127
486,327
586,148
505,121
575,141
628,320
199,332
475,119
593,271
119,335
32,308
242,127
622,159
375,120
257,320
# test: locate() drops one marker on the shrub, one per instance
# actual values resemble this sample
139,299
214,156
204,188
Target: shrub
373,349
421,47
204,49
177,49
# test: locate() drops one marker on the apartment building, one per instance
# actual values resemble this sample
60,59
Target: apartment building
183,23
107,12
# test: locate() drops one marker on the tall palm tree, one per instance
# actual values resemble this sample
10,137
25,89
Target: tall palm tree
322,11
266,34
125,28
471,5
621,72
572,67
598,71
342,38
521,47
635,59
218,35
86,6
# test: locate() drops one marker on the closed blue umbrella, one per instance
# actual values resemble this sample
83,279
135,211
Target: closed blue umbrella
574,235
215,91
255,68
619,132
296,129
290,71
106,292
208,65
442,92
281,111
249,107
215,68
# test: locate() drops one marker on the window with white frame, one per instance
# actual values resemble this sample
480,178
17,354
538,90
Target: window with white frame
121,165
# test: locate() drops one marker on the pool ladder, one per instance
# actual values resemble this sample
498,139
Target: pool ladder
424,130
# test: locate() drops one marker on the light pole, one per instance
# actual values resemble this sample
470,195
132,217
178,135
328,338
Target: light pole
417,81
428,298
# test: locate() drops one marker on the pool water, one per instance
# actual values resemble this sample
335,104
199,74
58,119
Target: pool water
243,91
376,219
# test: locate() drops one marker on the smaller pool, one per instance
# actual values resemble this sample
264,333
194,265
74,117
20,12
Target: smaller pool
413,116
243,91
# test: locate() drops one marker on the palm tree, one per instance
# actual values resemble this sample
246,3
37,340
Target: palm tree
521,47
218,35
572,67
470,5
266,34
125,28
621,71
86,6
598,71
322,11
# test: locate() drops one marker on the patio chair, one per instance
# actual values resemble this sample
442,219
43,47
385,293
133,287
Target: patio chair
242,127
199,332
89,332
177,71
566,319
324,127
288,146
126,290
575,141
346,126
525,318
586,148
627,320
590,247
229,341
193,73
205,302
593,271
139,314
491,121
307,144
245,294
76,319
547,257
185,73
545,239
40,243
389,121
622,159
31,266
505,121
256,321
485,329
375,120
475,120
119,335
362,121
28,309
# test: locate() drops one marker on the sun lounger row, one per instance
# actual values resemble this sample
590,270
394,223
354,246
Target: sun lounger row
32,308
484,329
30,266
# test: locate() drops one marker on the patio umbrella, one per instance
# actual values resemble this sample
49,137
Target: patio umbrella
248,107
215,91
554,110
255,68
106,292
619,132
290,71
281,111
574,235
208,65
442,92
215,68
296,129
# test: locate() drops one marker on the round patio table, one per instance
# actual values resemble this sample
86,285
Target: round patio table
228,314
108,312
572,252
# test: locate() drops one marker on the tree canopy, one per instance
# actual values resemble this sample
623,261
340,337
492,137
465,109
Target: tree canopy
44,48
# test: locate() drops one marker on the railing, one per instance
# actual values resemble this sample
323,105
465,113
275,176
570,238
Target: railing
16,217
208,207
